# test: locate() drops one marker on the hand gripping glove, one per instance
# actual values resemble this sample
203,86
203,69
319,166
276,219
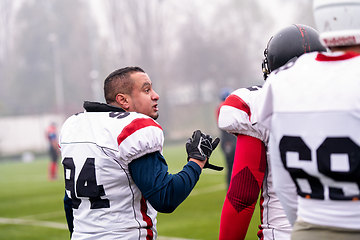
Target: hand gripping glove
200,147
213,145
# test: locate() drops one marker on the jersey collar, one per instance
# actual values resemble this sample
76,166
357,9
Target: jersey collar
100,107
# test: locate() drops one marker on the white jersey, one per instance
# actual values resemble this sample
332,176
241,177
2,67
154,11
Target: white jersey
97,148
240,116
312,108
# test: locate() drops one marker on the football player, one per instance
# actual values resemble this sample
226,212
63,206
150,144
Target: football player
115,173
312,108
251,171
51,135
228,140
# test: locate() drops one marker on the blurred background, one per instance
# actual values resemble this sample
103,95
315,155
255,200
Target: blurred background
55,54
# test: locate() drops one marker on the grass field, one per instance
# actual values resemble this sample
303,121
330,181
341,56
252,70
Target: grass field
31,207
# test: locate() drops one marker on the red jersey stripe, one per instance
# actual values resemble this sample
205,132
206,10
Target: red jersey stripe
135,125
324,58
147,219
236,102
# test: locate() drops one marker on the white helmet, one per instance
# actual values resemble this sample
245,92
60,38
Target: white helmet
338,22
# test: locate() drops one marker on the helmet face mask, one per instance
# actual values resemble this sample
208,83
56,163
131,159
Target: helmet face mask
265,66
290,42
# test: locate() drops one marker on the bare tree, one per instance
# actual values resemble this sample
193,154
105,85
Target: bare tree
139,36
48,32
7,12
189,48
135,31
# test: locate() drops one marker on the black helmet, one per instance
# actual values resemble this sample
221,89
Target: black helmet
289,43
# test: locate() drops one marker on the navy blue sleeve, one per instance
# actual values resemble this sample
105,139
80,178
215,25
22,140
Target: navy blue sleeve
163,190
69,213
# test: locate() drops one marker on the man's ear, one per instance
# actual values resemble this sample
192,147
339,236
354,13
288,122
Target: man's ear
123,101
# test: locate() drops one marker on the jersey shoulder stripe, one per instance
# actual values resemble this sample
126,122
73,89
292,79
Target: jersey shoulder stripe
236,102
134,126
328,58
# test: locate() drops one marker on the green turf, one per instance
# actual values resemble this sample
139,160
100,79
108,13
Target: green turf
27,196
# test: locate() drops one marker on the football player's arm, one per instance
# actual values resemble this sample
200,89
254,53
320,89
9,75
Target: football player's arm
246,181
163,190
69,213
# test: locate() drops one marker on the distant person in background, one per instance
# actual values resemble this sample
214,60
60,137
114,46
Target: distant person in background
228,140
54,152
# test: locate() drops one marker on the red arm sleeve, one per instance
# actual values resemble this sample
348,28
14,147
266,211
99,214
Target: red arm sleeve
246,181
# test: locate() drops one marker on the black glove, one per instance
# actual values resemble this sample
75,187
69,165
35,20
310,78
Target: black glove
214,145
200,147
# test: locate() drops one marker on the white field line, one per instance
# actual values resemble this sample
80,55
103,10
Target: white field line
19,221
45,215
